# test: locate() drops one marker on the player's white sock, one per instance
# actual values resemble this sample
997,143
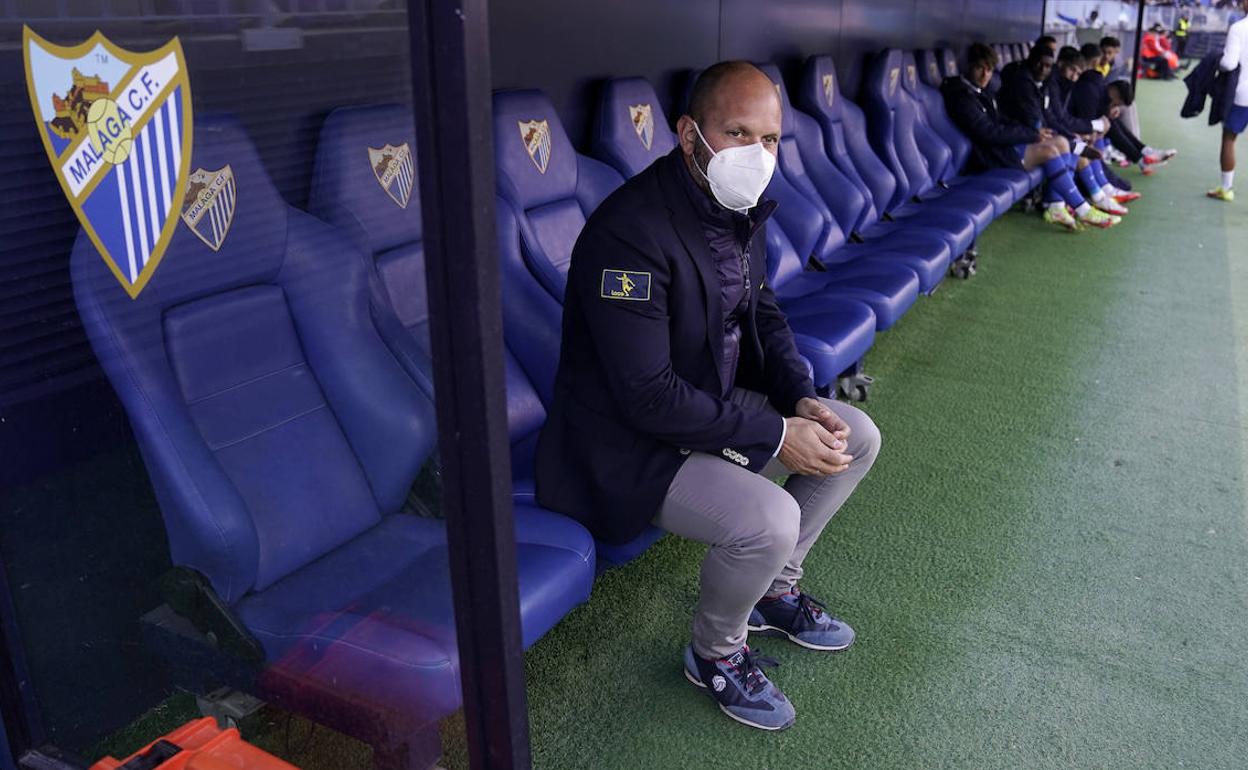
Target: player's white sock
1228,180
1083,209
1057,205
1099,196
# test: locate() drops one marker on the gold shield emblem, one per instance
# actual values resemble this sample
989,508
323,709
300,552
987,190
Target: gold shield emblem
829,88
642,118
116,126
208,206
395,171
893,77
536,137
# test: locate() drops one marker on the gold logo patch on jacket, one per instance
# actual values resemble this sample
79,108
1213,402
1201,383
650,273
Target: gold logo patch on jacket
626,285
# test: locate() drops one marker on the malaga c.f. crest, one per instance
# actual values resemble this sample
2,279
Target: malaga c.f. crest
116,126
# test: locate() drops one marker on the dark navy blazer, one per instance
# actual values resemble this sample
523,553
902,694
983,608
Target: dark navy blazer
639,384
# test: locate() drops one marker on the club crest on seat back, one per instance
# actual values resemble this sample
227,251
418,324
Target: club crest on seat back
395,171
643,123
912,77
208,206
116,126
893,77
536,137
829,88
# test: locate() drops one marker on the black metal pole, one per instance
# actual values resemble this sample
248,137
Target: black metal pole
1139,42
19,714
450,47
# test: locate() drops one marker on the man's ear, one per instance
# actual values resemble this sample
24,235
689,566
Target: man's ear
686,134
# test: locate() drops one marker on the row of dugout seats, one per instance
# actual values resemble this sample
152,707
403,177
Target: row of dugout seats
280,384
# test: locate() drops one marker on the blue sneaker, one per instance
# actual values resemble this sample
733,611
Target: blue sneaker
741,689
803,619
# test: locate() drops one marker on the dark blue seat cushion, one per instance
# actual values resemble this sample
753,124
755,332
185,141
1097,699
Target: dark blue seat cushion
834,337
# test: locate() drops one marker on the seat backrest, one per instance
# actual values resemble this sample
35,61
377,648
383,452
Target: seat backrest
364,181
783,262
844,129
928,92
948,62
945,148
929,67
275,423
894,124
792,164
630,129
552,189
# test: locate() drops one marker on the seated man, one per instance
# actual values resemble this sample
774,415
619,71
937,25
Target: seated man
1061,83
1156,53
1027,97
998,142
680,393
1094,96
1048,43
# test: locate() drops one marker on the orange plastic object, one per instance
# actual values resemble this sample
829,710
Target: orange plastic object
206,747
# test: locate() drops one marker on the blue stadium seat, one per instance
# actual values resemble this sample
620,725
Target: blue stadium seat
552,188
807,166
831,337
949,66
630,129
890,290
1007,186
845,136
546,191
833,333
359,148
282,436
900,137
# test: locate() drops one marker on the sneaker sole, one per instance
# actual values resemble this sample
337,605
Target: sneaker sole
773,631
731,715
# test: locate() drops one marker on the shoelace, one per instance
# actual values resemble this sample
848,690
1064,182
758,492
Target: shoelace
749,672
810,607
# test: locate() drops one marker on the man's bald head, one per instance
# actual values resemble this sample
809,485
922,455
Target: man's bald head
729,78
733,104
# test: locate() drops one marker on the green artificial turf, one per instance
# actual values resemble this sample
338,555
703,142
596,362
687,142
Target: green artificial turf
1047,567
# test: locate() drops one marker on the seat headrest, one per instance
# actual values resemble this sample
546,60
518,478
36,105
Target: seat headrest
929,67
786,107
365,174
909,73
883,76
631,131
237,240
949,62
820,91
533,156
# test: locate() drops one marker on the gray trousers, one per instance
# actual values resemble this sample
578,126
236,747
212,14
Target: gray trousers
758,531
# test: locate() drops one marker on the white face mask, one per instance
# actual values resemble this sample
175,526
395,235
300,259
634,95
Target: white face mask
737,175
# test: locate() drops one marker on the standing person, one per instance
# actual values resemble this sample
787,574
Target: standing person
1182,29
680,392
1235,56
